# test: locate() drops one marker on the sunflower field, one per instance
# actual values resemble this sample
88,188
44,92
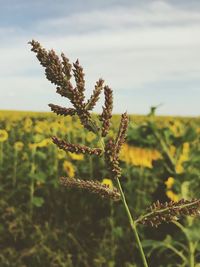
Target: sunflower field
44,224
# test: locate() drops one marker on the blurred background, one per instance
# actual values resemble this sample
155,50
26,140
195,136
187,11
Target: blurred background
148,53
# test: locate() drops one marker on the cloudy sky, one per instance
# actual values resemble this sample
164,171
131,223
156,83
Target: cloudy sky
147,51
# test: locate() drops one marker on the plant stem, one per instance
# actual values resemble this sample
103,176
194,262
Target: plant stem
191,246
164,148
14,168
179,253
133,225
131,220
191,254
112,237
1,155
32,182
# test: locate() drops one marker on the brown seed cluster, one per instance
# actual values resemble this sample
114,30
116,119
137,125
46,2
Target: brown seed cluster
79,78
75,148
92,186
59,72
113,147
106,115
169,211
95,95
62,111
121,136
112,159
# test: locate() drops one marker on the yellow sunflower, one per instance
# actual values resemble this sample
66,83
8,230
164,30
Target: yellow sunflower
45,142
69,168
169,183
75,156
171,195
18,146
3,135
108,182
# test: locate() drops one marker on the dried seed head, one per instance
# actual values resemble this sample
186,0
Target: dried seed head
62,111
95,95
121,136
113,148
92,186
68,147
169,211
112,159
79,78
67,67
41,53
107,110
58,72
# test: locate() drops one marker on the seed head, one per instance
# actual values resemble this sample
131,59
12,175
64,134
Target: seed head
92,186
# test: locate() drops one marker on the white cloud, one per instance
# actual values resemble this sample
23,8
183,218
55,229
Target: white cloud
130,47
153,13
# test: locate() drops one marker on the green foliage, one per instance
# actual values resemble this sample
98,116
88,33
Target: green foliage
44,224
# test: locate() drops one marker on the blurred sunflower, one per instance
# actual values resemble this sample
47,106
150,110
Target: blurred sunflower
61,154
139,156
171,195
38,129
28,125
108,182
44,143
169,183
69,168
3,135
183,157
75,156
18,146
32,146
90,137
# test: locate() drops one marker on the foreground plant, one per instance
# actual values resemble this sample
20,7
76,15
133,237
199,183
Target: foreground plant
59,71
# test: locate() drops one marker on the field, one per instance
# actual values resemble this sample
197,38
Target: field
45,224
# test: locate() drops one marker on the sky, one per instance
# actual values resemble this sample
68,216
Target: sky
147,51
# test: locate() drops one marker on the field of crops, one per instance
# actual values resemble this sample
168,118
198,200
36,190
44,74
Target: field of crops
45,224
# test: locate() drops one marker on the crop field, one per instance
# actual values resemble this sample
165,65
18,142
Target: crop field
43,223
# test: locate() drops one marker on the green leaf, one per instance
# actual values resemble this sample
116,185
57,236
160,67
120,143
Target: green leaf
2,228
111,264
37,201
185,189
190,135
41,155
38,176
118,232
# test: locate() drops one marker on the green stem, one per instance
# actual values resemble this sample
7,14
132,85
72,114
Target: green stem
1,155
77,243
165,149
191,247
131,220
140,186
179,253
14,168
55,167
112,226
32,185
31,196
191,254
133,225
